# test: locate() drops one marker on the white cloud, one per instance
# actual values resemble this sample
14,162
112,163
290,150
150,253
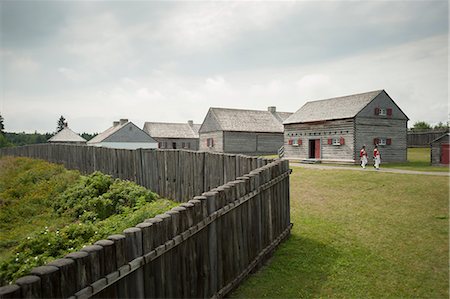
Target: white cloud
201,26
99,40
20,63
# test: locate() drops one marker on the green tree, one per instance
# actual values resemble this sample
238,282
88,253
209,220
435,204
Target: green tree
2,126
3,141
441,126
61,122
421,125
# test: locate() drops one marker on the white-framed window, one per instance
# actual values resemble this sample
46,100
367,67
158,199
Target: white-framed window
382,141
383,112
336,141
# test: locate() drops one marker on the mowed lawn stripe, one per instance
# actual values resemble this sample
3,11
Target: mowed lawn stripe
360,234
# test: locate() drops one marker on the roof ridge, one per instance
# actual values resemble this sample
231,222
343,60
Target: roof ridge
349,95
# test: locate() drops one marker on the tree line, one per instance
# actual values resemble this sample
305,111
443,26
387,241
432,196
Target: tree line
18,139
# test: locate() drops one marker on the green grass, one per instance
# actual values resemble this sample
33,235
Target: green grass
359,235
418,160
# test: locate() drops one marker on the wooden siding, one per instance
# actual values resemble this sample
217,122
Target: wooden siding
252,143
179,142
323,131
129,133
436,150
218,141
210,123
382,101
368,128
269,143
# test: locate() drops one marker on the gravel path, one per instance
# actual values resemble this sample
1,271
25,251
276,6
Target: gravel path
368,168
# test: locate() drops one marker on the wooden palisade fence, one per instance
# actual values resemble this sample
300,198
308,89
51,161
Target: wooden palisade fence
235,211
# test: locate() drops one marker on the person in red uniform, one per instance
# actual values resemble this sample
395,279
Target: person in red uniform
376,158
363,156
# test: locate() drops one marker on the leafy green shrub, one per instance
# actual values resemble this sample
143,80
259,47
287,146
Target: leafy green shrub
48,244
98,196
96,206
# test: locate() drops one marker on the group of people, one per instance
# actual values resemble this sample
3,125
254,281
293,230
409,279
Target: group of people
376,157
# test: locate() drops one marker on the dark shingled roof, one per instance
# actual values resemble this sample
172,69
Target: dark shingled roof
240,120
171,130
334,108
67,135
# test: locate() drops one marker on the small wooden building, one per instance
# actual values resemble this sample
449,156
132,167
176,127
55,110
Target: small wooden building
440,150
250,132
67,136
174,135
334,130
123,135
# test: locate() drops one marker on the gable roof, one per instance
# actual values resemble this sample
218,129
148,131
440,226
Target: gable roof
440,137
67,135
333,108
241,120
171,130
105,134
116,134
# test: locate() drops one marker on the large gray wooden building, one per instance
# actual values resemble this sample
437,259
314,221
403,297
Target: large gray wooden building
334,130
251,132
174,135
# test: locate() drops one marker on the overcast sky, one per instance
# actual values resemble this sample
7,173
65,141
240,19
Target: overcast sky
95,62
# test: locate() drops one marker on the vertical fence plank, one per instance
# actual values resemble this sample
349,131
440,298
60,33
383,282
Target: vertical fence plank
67,277
50,281
135,280
30,286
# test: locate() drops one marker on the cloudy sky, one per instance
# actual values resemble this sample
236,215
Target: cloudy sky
94,62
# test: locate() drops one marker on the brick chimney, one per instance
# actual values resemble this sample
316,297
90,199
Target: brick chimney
123,121
115,123
190,123
272,109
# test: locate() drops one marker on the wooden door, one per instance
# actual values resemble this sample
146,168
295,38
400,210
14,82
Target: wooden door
317,149
445,153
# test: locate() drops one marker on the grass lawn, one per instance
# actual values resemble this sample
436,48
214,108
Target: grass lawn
418,159
358,235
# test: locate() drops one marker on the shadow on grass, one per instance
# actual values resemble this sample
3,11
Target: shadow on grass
299,268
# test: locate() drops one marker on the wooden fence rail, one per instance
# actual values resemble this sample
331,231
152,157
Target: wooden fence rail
236,215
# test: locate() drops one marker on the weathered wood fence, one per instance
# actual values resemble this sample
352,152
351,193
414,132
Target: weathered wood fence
175,174
423,138
202,248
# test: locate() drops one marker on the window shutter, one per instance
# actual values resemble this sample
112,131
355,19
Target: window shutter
375,141
159,144
207,142
212,142
290,141
342,141
389,111
377,111
330,141
388,141
299,141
